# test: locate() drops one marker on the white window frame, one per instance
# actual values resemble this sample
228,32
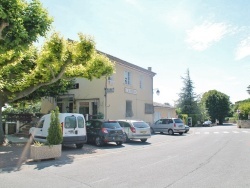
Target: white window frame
127,77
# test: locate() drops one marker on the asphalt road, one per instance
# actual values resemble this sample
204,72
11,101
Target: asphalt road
205,157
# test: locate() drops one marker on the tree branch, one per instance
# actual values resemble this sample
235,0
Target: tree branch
2,26
31,89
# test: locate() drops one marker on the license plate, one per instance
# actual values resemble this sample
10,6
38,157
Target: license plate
143,132
180,125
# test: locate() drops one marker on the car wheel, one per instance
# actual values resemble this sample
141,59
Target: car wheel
152,130
180,133
118,143
79,146
171,132
98,141
143,140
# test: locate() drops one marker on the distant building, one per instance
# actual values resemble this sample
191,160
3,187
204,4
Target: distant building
164,111
127,94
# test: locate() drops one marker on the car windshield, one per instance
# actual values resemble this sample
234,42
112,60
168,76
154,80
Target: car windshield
111,125
140,124
178,121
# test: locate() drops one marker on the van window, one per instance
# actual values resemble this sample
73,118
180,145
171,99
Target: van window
70,122
40,124
80,122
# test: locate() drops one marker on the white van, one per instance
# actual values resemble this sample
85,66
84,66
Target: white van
73,126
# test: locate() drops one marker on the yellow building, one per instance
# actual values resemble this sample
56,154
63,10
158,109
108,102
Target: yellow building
163,111
127,94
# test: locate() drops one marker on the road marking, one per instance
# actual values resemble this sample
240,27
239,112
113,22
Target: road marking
245,131
216,132
206,132
225,132
235,132
197,133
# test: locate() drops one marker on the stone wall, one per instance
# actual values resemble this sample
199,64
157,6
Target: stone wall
243,123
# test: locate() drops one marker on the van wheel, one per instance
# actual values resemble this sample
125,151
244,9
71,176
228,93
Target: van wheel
180,133
171,132
143,140
98,141
118,143
79,146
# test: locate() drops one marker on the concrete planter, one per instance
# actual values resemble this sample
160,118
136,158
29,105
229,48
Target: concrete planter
243,123
45,152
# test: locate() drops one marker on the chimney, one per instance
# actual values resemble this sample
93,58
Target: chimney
150,68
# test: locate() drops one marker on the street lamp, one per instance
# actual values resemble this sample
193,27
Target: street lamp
157,91
248,89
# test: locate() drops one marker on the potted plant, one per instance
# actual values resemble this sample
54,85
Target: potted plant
53,147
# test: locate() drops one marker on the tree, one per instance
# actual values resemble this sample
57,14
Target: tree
187,98
24,68
55,135
217,105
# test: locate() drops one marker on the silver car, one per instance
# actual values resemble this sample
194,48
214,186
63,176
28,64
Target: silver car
135,129
169,125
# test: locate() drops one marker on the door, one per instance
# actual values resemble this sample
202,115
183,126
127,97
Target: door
161,125
170,124
81,129
93,128
37,131
70,126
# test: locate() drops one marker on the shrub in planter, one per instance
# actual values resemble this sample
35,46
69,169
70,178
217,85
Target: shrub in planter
55,136
52,149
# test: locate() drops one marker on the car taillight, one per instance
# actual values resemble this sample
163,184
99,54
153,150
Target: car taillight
104,130
132,129
174,125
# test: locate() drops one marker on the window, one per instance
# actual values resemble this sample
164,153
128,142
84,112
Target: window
129,111
127,77
110,79
80,122
70,122
40,124
149,108
141,82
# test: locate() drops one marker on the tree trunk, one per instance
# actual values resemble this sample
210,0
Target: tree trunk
2,137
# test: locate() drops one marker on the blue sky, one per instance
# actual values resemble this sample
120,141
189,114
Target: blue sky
211,38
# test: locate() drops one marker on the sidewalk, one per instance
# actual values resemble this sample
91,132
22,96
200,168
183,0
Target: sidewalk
14,153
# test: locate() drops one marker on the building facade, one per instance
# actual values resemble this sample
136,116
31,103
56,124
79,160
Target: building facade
127,94
164,111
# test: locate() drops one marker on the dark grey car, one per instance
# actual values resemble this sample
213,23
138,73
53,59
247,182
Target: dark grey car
104,131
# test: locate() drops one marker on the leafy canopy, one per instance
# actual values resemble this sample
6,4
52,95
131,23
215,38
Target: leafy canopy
217,105
24,68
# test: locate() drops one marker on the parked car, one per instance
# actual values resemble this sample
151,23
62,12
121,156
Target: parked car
135,129
73,129
168,125
186,128
104,131
207,123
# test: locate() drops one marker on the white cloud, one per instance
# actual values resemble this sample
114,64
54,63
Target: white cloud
203,36
243,49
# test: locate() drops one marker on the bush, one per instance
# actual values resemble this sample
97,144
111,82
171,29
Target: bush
55,136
